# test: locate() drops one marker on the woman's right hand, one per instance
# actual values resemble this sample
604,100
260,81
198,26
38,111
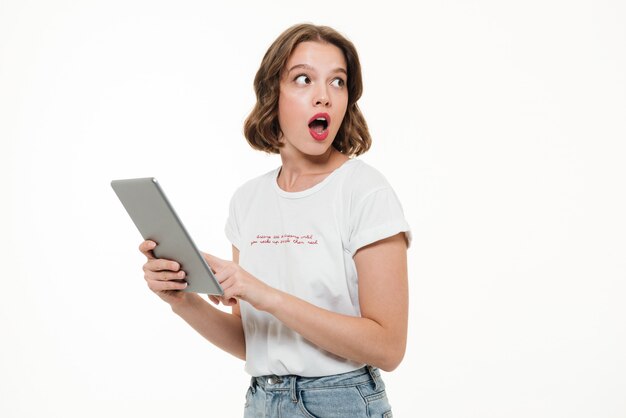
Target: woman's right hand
164,277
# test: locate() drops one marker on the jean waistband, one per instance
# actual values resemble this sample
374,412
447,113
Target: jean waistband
293,383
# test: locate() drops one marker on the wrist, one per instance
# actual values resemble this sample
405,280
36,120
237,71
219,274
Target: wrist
184,300
273,302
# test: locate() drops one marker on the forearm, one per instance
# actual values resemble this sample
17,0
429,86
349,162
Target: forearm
223,329
377,338
359,339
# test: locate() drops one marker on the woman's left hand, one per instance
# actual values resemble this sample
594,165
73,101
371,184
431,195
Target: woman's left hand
239,284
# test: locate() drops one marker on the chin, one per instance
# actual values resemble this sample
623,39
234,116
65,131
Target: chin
316,149
311,147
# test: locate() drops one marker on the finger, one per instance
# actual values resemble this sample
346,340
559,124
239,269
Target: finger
231,292
230,301
224,275
146,248
164,276
214,299
214,262
157,286
161,264
226,301
178,276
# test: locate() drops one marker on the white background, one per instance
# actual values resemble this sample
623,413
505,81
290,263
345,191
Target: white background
501,125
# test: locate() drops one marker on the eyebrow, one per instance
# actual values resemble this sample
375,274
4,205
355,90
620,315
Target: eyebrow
308,67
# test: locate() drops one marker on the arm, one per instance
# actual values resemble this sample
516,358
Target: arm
222,329
377,338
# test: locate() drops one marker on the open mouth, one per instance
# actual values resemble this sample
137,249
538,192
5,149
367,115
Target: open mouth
318,126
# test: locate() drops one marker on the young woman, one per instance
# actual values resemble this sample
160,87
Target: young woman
318,281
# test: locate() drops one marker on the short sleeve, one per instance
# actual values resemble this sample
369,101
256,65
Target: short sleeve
232,225
378,216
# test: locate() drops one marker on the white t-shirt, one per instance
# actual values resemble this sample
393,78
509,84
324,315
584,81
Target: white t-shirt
303,243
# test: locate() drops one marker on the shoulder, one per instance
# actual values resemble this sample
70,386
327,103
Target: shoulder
362,179
374,211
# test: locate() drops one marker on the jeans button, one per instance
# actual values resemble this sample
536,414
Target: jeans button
272,380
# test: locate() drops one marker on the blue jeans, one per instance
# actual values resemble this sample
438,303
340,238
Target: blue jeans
360,393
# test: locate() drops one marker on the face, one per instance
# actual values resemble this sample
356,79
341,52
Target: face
313,98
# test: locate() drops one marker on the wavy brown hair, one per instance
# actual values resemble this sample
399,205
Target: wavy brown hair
261,127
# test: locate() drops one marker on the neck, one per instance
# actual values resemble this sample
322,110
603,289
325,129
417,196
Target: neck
304,170
307,164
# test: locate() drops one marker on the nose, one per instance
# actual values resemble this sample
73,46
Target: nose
322,98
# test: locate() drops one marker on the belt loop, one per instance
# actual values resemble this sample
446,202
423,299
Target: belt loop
293,391
253,385
375,377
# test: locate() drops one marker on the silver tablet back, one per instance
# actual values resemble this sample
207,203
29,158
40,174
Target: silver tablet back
156,220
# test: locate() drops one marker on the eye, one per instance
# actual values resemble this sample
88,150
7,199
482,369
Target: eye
302,79
338,82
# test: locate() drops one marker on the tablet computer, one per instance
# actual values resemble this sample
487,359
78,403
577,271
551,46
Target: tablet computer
156,220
